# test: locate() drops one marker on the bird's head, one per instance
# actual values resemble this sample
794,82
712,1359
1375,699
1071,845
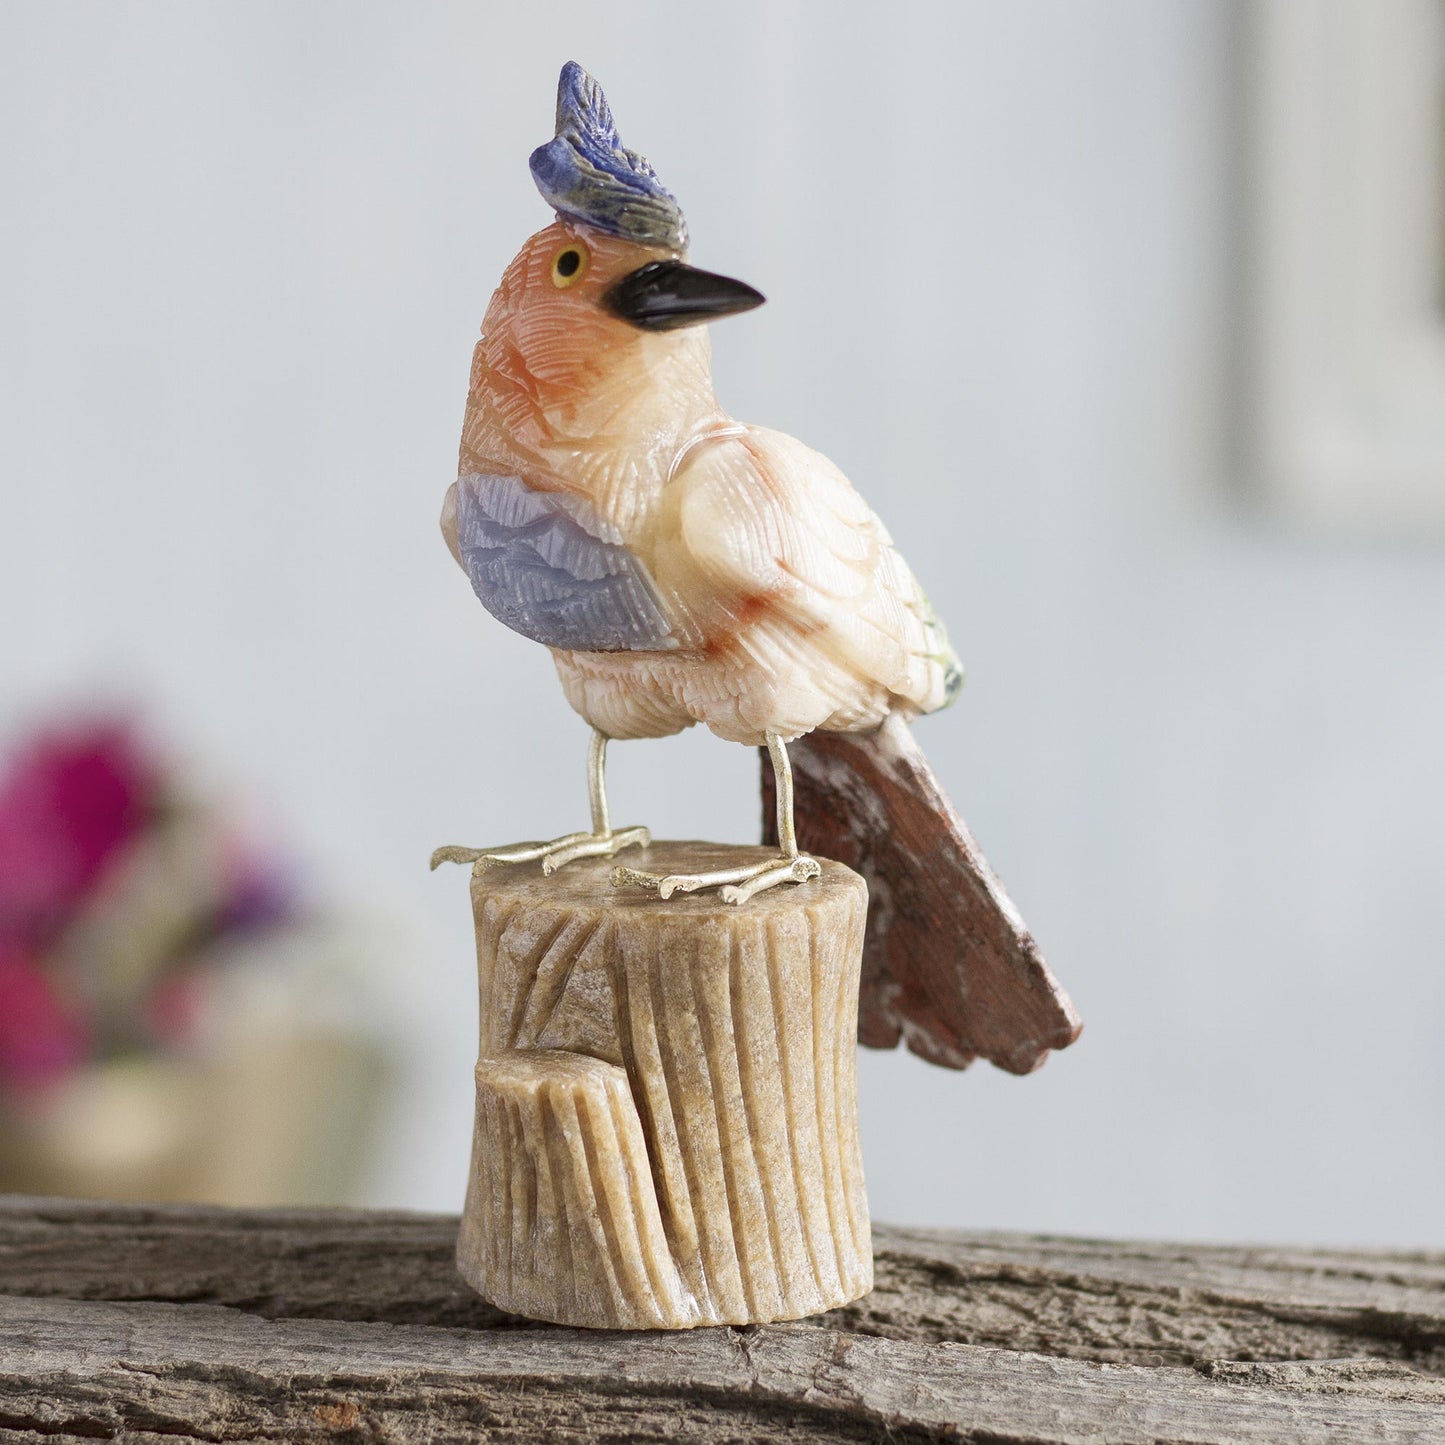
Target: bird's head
605,290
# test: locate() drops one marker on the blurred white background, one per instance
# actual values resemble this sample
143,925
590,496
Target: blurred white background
244,257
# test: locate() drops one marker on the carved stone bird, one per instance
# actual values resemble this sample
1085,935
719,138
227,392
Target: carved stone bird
685,567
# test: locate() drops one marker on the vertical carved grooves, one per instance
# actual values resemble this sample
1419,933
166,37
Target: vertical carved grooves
594,1218
712,1144
760,1104
564,1283
685,1149
673,1159
850,1157
791,1165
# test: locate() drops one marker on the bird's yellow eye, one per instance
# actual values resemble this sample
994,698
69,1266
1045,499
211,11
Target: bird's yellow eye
569,265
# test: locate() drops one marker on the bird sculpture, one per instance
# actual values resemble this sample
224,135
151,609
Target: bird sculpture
684,567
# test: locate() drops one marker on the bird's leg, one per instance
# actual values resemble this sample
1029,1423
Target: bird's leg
737,885
601,842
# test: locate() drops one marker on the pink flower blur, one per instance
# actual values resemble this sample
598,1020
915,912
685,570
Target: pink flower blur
69,802
39,1038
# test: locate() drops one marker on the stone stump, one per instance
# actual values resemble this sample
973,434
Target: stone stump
666,1128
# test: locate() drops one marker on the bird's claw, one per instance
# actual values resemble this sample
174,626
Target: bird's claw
790,870
596,846
554,854
734,885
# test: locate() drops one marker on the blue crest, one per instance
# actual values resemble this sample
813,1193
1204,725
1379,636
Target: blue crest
585,171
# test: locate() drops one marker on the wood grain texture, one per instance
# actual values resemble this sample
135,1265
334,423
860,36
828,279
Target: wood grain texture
144,1323
666,1127
948,966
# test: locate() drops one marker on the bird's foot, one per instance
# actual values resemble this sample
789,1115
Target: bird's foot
554,854
734,885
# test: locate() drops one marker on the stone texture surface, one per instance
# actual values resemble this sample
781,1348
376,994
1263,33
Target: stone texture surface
666,1130
175,1323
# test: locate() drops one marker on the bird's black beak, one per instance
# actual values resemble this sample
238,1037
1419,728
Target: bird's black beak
664,295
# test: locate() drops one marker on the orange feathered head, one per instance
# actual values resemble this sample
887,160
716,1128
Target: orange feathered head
609,272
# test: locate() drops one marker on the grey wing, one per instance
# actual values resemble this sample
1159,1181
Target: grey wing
548,567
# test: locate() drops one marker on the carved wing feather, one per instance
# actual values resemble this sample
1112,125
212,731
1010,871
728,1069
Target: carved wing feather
768,516
548,567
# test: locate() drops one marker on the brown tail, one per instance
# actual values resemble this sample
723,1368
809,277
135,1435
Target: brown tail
948,965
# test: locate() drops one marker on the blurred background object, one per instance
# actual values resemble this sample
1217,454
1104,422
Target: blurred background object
1015,258
1347,262
173,1023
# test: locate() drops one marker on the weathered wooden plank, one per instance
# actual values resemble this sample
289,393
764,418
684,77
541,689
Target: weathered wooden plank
1113,1301
201,1371
219,1324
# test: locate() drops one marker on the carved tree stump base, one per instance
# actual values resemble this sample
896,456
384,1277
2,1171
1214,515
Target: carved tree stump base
666,1128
